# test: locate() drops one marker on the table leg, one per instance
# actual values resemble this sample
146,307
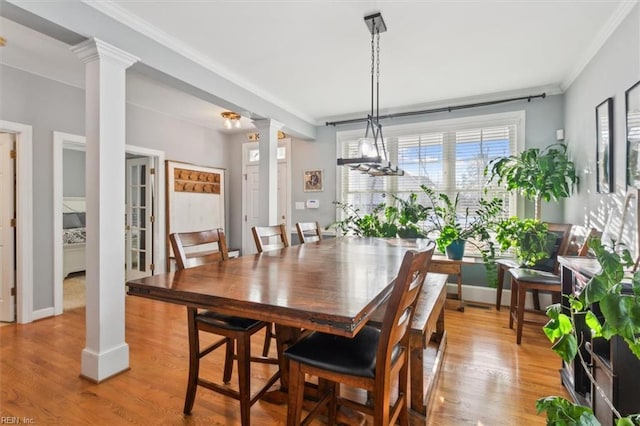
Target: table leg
461,307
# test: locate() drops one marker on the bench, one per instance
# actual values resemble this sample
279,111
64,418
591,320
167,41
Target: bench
427,342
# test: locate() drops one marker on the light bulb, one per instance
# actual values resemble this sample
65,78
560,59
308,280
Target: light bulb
237,123
227,123
366,148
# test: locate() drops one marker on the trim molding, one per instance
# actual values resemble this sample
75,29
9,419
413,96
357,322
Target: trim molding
601,38
24,214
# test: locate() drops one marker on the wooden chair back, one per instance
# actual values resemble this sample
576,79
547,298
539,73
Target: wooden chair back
579,239
399,313
308,232
198,248
264,237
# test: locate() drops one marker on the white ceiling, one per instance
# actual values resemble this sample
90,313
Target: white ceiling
312,58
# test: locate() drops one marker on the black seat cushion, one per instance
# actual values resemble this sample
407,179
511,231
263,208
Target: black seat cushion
356,356
227,321
534,276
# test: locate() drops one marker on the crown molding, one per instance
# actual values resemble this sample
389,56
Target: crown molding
114,11
603,35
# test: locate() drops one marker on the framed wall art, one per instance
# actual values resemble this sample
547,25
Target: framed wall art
604,156
313,180
632,118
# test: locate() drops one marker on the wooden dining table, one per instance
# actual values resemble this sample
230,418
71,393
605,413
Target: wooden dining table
333,286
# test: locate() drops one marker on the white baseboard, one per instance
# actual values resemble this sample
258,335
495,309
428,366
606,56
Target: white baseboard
42,313
487,295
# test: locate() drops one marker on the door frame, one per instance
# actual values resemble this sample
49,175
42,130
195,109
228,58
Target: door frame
24,217
63,140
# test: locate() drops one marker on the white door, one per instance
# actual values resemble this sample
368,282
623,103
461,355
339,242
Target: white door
251,191
139,217
7,231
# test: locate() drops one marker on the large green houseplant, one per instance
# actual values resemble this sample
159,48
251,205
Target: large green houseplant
620,317
537,175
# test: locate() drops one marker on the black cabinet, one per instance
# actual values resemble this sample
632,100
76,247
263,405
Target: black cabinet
614,368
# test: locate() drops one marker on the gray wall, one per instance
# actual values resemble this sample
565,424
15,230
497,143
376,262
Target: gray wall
50,106
614,69
47,106
543,118
73,176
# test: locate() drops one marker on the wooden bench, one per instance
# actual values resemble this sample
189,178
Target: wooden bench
428,340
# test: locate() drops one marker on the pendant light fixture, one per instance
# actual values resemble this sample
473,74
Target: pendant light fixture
373,158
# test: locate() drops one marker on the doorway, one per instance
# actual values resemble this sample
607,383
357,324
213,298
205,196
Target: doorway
139,255
250,166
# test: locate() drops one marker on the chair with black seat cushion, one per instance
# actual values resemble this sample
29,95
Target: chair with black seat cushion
308,232
198,248
372,360
269,238
550,265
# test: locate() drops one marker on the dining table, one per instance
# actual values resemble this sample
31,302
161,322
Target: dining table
333,286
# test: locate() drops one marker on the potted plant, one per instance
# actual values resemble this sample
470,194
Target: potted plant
528,237
454,227
618,317
401,220
546,174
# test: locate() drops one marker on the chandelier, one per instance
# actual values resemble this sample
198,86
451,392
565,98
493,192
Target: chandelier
373,158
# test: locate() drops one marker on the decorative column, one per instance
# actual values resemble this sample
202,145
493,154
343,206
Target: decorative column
106,352
268,186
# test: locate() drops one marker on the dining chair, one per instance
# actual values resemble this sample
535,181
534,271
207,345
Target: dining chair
264,237
308,232
199,248
526,279
270,237
374,360
550,264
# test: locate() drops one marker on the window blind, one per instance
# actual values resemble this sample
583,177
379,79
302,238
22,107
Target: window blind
449,160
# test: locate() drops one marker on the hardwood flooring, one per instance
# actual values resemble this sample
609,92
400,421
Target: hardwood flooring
486,380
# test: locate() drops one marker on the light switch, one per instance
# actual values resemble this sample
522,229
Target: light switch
299,205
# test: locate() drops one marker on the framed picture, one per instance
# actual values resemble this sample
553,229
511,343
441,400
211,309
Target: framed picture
632,102
604,156
313,180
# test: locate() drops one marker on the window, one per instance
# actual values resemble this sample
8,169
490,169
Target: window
449,156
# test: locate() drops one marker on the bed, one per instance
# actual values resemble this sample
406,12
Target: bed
73,235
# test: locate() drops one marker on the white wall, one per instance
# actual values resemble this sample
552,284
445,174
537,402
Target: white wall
50,106
614,69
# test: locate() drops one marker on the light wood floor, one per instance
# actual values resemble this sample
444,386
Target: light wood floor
487,379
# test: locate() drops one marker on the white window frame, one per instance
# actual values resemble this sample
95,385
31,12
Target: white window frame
516,118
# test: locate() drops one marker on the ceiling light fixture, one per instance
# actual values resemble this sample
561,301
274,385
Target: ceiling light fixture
373,158
231,119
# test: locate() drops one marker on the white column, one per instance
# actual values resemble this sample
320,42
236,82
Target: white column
268,185
106,352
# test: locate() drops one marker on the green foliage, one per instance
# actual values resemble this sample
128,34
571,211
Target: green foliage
444,218
561,412
536,174
528,238
620,316
383,221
